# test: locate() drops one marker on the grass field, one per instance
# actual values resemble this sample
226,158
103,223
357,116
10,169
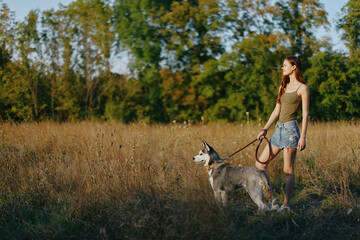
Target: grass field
92,180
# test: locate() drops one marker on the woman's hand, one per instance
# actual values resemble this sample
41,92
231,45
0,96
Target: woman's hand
262,134
301,144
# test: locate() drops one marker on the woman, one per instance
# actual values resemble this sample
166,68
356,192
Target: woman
292,94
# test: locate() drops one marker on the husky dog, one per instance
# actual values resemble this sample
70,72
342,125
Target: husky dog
225,178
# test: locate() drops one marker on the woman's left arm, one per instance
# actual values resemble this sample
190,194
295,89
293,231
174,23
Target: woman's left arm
305,98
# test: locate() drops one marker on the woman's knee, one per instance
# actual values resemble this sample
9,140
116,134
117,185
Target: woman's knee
289,160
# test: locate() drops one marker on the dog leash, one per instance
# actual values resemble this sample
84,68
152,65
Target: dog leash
257,148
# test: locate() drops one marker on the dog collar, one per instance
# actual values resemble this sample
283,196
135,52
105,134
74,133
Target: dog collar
210,167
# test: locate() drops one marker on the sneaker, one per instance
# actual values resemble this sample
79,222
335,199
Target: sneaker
273,205
284,209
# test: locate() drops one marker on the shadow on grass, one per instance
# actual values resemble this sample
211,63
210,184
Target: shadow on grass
146,216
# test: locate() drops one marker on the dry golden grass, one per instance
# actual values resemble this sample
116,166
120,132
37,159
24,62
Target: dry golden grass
137,181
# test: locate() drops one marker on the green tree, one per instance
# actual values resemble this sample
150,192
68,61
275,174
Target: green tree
298,19
90,21
353,91
6,35
179,96
30,53
137,32
192,31
350,24
6,43
253,77
66,91
334,87
242,17
53,39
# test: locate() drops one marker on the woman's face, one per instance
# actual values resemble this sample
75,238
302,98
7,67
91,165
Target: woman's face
287,68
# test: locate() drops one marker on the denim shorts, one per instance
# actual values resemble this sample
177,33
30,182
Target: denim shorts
286,135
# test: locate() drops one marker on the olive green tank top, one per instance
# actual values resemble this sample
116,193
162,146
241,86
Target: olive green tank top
290,104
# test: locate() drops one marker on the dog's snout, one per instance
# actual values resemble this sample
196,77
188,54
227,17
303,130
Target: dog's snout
193,158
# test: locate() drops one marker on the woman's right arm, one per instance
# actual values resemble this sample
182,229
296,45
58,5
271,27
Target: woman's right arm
274,115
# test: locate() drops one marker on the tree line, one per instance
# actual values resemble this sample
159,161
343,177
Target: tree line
188,60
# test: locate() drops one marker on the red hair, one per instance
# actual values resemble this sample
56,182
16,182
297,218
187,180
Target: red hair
294,61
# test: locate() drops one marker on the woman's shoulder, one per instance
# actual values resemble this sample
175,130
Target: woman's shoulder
303,86
303,89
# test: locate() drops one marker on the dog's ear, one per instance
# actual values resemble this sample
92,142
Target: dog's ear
207,146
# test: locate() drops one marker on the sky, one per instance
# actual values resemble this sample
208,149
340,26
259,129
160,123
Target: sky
22,7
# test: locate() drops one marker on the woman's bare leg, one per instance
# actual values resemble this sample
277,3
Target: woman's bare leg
289,162
264,157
